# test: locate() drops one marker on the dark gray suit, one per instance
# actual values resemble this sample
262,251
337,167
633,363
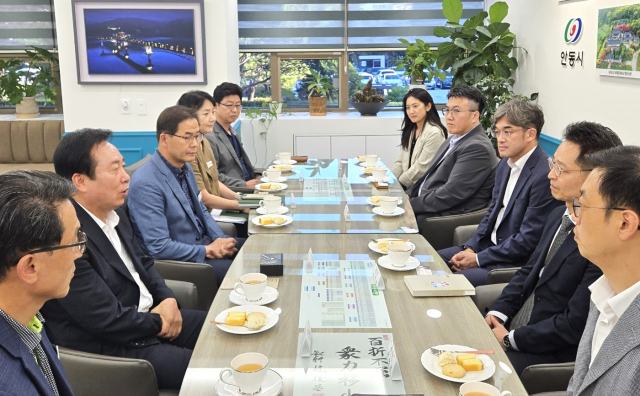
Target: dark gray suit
229,169
461,182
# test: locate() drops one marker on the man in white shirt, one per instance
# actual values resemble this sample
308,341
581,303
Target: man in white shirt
607,215
521,200
117,305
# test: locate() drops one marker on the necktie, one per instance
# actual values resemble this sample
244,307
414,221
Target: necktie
523,316
43,362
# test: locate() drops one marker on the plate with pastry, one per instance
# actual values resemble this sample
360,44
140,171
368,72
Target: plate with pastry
284,168
458,367
271,187
272,221
375,200
247,319
380,246
291,162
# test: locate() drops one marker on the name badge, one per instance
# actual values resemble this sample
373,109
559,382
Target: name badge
209,164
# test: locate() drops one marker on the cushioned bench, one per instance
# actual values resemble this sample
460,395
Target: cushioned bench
29,144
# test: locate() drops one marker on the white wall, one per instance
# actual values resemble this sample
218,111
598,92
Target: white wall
570,94
99,105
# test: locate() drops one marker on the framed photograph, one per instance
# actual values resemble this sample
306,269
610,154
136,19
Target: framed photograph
618,43
140,42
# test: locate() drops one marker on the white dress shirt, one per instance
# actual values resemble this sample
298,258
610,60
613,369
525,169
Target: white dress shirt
109,229
611,307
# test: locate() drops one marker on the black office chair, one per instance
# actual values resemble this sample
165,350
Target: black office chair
438,231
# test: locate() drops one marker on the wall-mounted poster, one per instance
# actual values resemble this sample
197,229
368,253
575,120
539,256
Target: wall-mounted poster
618,41
140,42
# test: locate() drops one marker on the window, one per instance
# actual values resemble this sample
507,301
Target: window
27,23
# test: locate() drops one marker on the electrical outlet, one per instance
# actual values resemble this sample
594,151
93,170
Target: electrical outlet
141,106
125,106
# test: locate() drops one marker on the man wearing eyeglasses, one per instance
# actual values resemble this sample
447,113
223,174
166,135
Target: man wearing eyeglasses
169,221
118,305
234,167
607,232
40,240
462,173
542,312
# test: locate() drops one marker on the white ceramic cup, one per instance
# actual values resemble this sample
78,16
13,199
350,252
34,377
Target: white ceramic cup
388,204
249,382
251,285
481,387
272,174
284,158
371,159
379,173
399,253
271,203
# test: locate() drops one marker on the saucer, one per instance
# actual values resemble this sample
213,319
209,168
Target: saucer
281,210
430,363
396,212
291,162
276,187
272,386
272,319
290,170
411,264
270,295
287,220
374,246
281,179
384,180
363,164
378,204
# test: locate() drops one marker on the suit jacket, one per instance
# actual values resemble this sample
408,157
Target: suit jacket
524,216
19,372
408,170
615,370
561,296
229,169
459,183
205,169
164,224
100,313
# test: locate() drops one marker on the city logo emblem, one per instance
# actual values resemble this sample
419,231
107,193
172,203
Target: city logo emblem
573,31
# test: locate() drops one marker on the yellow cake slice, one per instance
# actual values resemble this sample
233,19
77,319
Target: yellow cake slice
472,364
236,318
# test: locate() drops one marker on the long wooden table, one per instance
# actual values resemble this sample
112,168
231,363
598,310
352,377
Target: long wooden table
322,211
413,331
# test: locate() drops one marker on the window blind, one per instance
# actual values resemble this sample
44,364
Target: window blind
26,22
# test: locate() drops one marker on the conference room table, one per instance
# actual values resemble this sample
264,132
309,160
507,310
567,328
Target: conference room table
323,187
416,323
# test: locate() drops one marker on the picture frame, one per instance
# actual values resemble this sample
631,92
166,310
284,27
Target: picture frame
139,41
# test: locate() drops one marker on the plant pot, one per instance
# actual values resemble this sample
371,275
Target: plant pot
368,109
420,86
28,108
318,105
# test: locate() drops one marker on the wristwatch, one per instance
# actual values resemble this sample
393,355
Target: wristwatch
237,196
506,341
465,247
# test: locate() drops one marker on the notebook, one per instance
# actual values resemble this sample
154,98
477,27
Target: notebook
439,285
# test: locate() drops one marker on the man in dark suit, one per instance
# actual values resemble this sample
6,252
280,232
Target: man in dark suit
40,240
461,175
118,305
521,200
542,312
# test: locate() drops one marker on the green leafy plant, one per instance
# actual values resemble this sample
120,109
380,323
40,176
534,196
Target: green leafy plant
265,115
478,48
498,91
320,86
18,81
417,59
368,95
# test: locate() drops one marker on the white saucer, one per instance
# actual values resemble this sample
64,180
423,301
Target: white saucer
411,264
384,180
430,363
377,204
288,220
271,386
281,179
374,246
282,170
396,212
281,210
291,162
364,164
281,186
270,295
272,319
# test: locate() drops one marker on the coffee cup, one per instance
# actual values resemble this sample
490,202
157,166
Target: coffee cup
379,173
251,286
272,174
481,389
399,253
371,159
284,158
248,371
388,205
271,203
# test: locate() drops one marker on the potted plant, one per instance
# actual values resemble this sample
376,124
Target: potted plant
367,102
265,115
21,81
419,62
320,89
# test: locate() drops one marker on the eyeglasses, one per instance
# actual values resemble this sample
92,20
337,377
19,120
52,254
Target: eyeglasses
199,137
81,244
231,107
558,171
455,112
576,208
496,133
